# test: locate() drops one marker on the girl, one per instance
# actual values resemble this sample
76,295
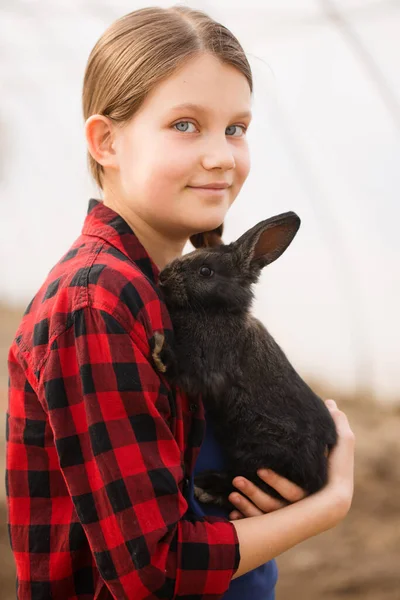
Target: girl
100,449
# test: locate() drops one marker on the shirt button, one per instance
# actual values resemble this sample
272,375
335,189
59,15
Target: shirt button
193,406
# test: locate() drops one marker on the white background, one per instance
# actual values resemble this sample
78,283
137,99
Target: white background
324,142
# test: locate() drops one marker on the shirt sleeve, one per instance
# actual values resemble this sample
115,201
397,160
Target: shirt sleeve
123,467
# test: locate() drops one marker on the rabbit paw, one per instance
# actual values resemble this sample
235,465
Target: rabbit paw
212,487
159,340
163,355
205,497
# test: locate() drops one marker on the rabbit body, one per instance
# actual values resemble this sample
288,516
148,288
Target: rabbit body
264,413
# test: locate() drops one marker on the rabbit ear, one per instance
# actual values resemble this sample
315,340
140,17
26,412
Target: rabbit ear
266,241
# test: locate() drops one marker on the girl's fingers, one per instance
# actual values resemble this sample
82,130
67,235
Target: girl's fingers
247,508
235,515
289,490
259,498
266,503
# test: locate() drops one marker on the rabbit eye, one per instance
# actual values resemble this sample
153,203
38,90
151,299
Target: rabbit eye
206,271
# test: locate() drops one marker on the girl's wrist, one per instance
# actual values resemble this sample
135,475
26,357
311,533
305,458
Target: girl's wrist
336,503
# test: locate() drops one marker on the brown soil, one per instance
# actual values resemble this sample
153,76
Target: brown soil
358,559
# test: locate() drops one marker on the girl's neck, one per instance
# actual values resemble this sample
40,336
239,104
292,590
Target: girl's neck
161,248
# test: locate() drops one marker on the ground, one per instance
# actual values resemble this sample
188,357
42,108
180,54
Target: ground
358,559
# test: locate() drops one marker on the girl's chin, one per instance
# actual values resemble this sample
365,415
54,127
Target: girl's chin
211,216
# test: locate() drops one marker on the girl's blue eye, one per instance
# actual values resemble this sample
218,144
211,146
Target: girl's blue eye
183,122
242,127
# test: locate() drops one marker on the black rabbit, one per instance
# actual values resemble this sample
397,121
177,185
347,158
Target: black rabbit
263,412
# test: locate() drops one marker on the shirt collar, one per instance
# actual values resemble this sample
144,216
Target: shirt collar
103,222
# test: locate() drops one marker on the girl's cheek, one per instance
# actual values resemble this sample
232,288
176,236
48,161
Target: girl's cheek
180,164
243,165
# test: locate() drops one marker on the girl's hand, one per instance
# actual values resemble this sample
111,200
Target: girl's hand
260,502
339,487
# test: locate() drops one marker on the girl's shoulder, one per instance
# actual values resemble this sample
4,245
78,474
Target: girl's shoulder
96,275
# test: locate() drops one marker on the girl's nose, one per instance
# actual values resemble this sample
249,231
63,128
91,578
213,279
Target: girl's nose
219,156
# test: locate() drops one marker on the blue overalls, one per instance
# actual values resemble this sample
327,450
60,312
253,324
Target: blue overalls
258,584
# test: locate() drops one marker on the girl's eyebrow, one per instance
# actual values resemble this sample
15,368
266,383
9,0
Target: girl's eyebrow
203,109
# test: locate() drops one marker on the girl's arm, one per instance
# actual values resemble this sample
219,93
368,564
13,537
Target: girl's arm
108,412
264,537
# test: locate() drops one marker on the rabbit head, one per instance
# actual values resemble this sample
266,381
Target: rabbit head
221,277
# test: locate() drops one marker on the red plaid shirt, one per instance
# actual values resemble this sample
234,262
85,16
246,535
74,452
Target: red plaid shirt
99,445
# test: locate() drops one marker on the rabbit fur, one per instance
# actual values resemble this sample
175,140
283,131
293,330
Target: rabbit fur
264,414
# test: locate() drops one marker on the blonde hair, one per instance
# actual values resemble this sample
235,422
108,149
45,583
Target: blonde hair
137,52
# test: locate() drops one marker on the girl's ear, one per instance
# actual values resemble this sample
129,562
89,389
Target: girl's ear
100,134
266,241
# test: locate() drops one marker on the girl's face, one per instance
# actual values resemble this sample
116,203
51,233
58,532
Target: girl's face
166,150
